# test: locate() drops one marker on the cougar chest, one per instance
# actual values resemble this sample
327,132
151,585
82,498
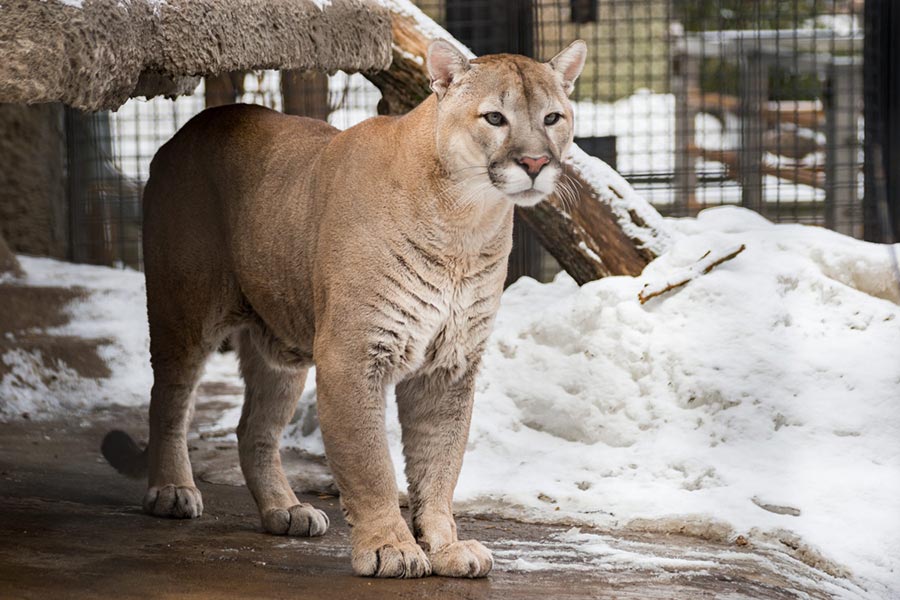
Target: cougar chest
450,345
432,309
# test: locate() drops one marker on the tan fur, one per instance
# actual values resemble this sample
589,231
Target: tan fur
377,253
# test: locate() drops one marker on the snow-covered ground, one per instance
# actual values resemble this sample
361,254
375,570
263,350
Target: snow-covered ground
761,399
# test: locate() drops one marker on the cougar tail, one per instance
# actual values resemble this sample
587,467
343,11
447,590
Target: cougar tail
124,454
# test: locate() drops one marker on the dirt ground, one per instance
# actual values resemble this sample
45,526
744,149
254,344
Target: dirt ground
71,527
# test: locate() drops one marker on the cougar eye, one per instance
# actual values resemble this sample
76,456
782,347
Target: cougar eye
494,118
552,118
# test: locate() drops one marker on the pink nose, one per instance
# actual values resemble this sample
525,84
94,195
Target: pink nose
533,165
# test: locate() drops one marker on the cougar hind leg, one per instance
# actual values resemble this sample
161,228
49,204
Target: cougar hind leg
188,318
178,355
270,397
191,308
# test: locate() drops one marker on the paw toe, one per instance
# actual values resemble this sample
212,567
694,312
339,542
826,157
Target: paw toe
467,558
299,520
404,560
176,501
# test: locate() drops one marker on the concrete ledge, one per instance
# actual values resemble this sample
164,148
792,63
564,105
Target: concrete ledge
95,54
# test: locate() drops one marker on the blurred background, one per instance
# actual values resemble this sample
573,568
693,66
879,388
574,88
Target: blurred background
769,104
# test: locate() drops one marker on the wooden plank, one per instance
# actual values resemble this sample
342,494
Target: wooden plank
803,113
685,85
305,93
731,159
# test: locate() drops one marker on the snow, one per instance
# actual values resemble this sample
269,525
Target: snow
625,203
677,279
771,377
760,399
423,23
114,311
154,4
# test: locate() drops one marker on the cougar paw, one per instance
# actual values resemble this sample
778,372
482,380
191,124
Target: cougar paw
176,501
301,520
466,558
405,560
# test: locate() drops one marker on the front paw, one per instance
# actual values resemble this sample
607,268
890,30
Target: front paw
176,501
301,520
466,558
388,551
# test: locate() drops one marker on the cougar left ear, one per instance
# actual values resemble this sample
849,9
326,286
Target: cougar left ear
445,63
569,64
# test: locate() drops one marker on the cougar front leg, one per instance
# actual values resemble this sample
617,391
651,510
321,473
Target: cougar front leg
435,413
270,399
351,414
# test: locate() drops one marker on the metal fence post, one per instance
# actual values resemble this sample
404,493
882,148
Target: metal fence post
754,95
685,83
882,121
843,211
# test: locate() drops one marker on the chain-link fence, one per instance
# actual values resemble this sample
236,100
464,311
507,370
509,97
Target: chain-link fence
697,103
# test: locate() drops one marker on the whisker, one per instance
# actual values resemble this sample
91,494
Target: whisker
568,193
561,194
476,191
450,196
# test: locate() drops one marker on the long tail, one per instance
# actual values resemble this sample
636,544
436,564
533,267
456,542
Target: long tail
124,454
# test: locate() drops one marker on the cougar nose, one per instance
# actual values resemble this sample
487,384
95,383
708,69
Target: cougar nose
533,166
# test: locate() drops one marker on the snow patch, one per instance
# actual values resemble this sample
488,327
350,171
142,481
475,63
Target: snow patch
114,311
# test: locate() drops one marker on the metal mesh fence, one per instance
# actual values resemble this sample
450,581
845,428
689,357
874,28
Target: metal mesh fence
109,155
697,103
711,102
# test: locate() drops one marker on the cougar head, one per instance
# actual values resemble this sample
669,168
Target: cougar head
504,122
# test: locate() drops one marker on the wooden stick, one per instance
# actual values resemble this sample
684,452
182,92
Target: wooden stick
803,113
703,266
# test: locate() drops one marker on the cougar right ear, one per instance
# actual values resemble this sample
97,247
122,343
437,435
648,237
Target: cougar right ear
569,64
445,63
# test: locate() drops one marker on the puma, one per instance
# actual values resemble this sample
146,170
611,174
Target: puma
379,255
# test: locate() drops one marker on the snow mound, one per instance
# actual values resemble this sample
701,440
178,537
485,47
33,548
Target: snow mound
764,393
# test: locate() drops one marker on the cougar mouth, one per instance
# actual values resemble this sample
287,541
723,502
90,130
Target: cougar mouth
528,197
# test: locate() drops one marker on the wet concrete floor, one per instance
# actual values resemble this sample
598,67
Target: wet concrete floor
71,527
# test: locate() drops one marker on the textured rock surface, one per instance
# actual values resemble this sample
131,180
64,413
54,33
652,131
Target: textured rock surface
97,54
33,215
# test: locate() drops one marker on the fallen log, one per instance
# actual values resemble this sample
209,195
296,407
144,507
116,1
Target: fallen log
610,230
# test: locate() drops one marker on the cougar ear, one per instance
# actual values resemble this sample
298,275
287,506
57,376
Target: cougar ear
569,64
445,63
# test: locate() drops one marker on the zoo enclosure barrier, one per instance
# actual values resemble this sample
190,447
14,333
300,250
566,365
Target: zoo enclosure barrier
697,103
